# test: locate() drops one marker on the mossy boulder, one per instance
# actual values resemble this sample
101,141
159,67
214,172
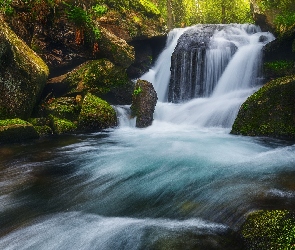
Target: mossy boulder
62,126
97,76
96,114
63,107
144,101
42,126
116,49
16,130
270,229
23,75
270,111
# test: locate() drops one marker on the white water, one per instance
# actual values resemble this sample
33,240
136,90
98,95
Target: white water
159,75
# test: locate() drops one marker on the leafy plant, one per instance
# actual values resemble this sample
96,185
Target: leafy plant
5,7
137,91
99,10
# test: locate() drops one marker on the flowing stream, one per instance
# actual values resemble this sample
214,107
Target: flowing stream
182,183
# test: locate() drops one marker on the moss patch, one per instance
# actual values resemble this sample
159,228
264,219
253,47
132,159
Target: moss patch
269,230
96,114
270,111
62,126
63,107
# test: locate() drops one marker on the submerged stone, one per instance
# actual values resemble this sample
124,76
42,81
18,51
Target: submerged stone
270,111
23,75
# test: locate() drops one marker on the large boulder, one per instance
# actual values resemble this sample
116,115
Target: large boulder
270,111
23,75
116,49
143,103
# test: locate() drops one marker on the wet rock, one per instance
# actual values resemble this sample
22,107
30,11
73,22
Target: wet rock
116,49
96,114
270,111
188,75
269,229
143,103
16,130
23,75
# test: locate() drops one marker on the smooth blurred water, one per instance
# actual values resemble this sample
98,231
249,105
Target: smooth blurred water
183,183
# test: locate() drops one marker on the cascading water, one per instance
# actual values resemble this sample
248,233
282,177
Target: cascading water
182,183
214,69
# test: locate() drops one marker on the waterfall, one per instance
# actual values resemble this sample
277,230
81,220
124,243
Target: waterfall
159,75
206,72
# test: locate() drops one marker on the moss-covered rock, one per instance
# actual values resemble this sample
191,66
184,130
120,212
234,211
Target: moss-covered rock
96,114
116,49
16,130
264,230
270,111
42,126
23,75
63,107
143,103
62,126
98,76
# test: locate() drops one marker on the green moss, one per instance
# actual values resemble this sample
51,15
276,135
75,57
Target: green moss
62,126
16,130
270,111
24,78
63,107
97,76
279,68
16,121
43,130
96,114
270,230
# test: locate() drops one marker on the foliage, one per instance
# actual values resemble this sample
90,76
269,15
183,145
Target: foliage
224,11
99,10
137,91
279,67
284,11
83,19
5,7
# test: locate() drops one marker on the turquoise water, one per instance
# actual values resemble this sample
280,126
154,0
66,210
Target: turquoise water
134,188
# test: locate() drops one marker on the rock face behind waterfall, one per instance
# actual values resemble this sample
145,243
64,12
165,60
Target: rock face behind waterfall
191,74
143,103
